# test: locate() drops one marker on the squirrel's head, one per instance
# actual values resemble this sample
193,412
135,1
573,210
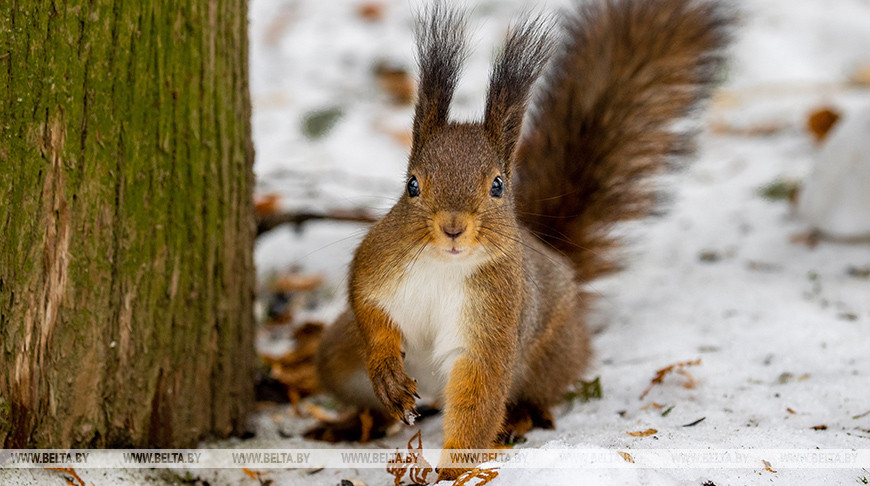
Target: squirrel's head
459,174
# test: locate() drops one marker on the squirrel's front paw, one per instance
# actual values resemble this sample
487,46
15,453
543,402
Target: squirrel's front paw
395,389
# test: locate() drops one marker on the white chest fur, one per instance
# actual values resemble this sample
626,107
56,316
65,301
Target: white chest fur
428,307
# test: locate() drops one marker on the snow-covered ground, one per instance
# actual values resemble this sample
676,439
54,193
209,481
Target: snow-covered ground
782,329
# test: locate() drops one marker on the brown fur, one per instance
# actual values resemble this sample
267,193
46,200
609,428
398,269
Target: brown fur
627,69
602,123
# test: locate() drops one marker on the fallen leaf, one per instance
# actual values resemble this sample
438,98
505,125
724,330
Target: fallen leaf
396,82
662,373
767,466
317,123
819,427
821,121
371,11
626,456
643,433
486,475
789,378
690,380
255,475
789,410
781,190
415,464
709,256
266,204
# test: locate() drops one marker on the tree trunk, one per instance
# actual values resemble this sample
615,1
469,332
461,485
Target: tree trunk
126,229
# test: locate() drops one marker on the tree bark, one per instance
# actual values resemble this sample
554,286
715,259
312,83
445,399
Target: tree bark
126,227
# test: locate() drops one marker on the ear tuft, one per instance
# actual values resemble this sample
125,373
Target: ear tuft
441,50
526,50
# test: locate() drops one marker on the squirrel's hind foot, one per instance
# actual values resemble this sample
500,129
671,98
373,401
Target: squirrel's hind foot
520,419
358,426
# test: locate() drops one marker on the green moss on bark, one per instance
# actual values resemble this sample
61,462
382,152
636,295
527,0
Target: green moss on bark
126,276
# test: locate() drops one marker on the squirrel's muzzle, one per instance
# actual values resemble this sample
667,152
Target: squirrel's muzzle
452,224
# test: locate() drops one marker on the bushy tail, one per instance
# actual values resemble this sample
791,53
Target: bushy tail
604,118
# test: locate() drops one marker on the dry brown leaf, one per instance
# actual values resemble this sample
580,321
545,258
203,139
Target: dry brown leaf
371,11
255,475
307,339
266,204
485,475
662,373
789,410
421,468
643,433
297,370
76,479
767,466
821,121
397,469
415,463
626,456
650,405
819,427
300,381
396,82
690,380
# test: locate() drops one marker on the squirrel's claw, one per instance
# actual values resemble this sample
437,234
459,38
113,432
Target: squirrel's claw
396,390
410,416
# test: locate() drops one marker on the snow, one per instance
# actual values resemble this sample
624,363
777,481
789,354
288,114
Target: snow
777,325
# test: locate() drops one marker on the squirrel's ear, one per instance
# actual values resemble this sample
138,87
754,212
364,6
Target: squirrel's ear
441,50
526,51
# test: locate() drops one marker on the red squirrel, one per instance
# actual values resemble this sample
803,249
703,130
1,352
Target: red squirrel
471,288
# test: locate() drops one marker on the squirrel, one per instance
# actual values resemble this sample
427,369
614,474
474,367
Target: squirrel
472,286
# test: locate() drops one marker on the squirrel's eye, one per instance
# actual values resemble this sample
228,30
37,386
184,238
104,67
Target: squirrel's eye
413,187
497,187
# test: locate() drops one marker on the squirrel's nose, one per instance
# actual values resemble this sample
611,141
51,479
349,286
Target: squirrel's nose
453,230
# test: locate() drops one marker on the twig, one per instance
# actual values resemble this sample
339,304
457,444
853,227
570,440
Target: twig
265,223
